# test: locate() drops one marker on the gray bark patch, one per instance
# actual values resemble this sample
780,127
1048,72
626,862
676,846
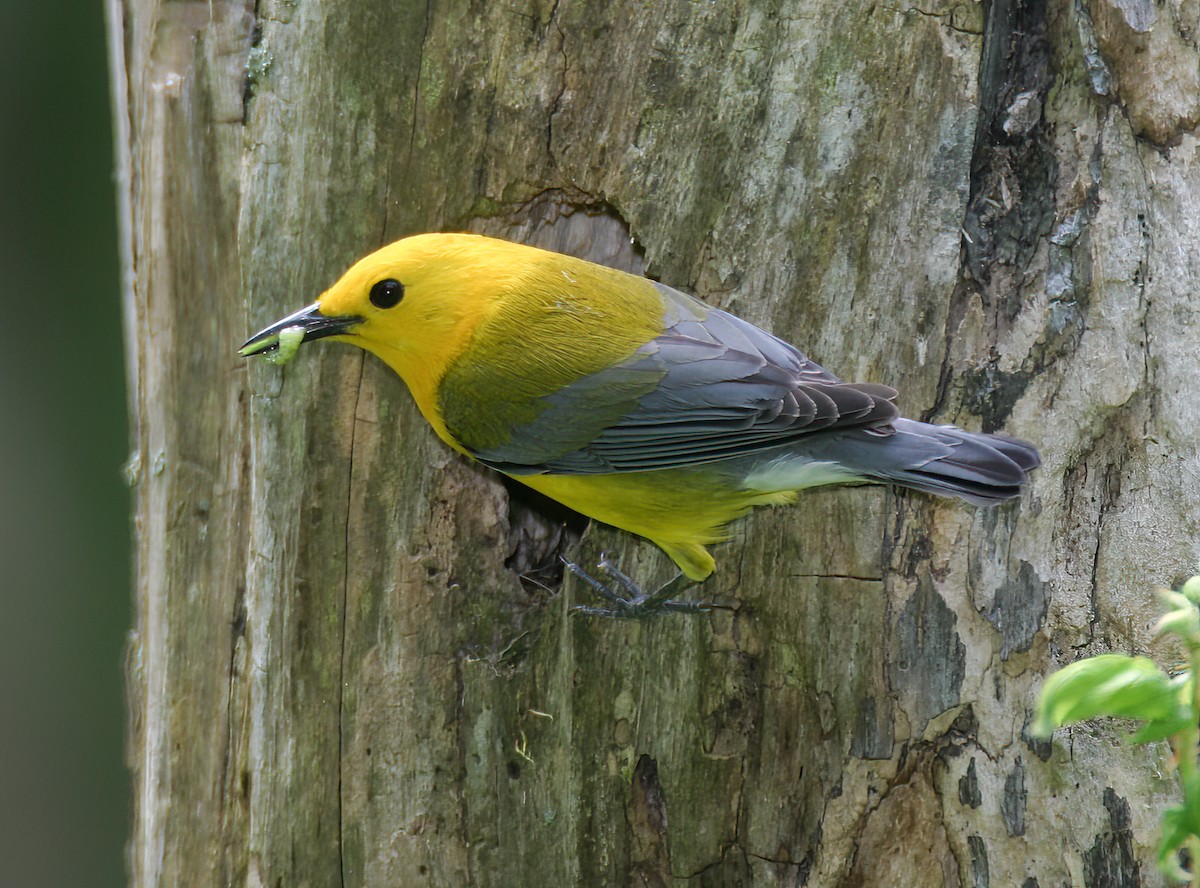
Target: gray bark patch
1019,610
931,658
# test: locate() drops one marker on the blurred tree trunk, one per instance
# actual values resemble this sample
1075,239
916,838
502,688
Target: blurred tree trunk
351,663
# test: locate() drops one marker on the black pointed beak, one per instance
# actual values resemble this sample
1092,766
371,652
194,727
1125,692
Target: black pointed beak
304,326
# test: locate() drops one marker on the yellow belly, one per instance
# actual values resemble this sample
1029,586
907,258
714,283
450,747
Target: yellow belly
679,510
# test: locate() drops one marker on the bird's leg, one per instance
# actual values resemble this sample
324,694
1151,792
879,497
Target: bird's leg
634,603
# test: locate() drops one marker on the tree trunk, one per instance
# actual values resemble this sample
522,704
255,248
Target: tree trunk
354,659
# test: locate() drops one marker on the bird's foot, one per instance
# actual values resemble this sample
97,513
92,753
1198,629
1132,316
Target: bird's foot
631,602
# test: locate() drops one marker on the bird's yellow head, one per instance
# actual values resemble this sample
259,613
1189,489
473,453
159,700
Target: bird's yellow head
501,321
413,303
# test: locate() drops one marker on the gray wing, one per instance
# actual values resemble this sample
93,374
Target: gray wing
710,387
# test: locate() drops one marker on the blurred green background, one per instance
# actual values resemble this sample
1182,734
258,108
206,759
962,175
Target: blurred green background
64,510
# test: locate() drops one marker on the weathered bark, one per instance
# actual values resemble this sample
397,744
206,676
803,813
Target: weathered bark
338,674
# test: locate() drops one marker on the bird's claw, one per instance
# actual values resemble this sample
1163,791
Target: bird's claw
634,603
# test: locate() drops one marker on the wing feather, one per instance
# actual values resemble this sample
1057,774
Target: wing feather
710,387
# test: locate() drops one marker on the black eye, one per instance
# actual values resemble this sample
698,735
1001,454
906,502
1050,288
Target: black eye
387,293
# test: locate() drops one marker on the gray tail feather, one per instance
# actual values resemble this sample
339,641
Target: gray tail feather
948,461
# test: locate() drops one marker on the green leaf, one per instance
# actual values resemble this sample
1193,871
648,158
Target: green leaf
1162,728
1191,590
1183,618
1108,684
1191,804
1173,600
1174,834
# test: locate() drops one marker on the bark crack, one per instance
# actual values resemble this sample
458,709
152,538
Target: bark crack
237,626
1108,498
835,576
412,132
556,105
1142,282
948,17
387,201
464,798
341,689
256,61
781,861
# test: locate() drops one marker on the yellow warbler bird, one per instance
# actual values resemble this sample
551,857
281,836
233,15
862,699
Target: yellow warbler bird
626,400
